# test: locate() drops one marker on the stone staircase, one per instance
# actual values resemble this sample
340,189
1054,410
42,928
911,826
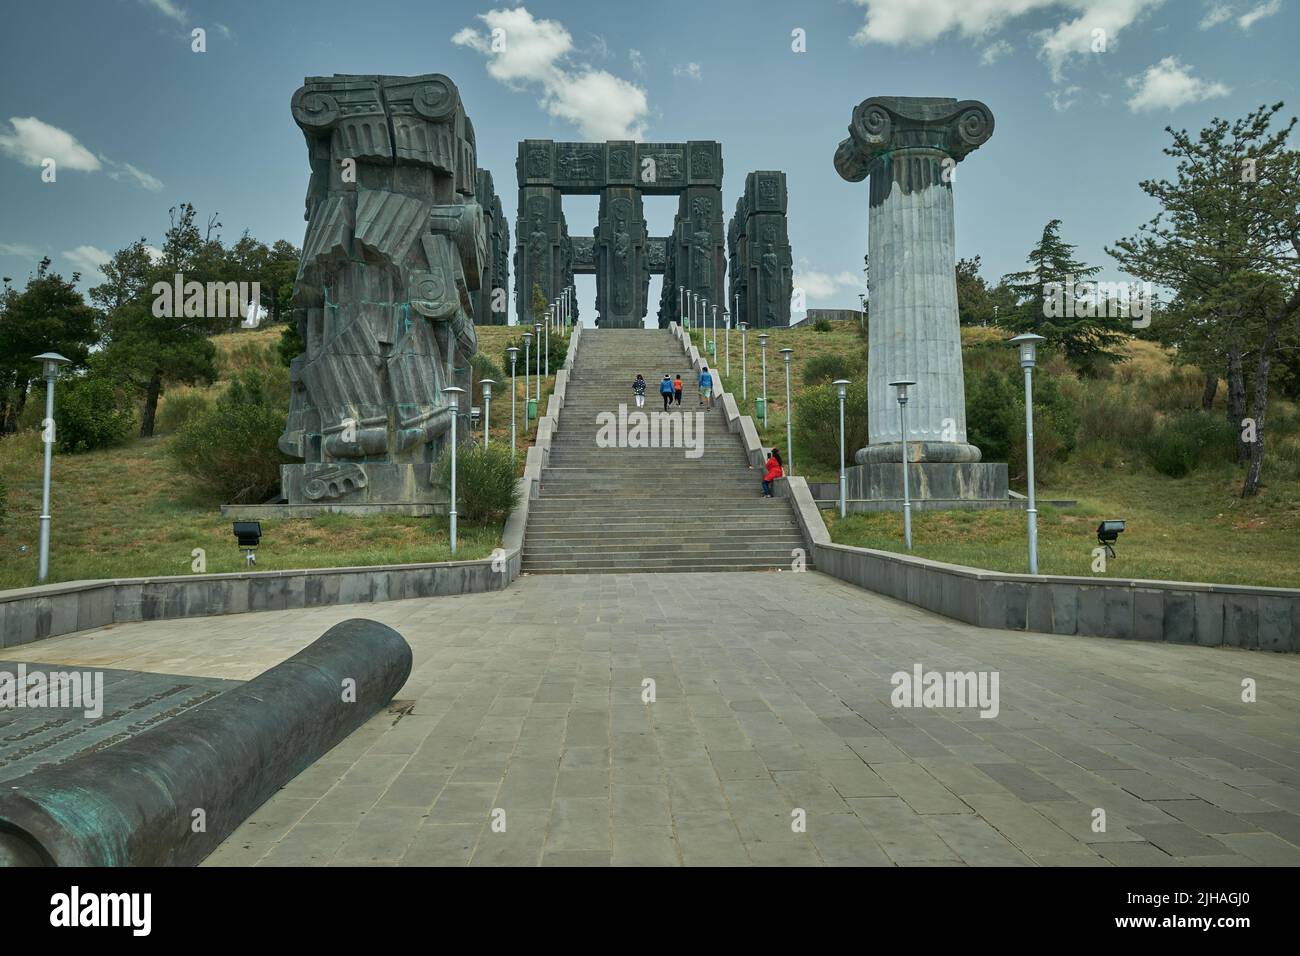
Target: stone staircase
627,509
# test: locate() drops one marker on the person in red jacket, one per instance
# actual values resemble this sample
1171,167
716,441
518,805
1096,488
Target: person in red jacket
773,472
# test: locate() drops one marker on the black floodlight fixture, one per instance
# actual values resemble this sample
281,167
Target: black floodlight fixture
248,534
1108,533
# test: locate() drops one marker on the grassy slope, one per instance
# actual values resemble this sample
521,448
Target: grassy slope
129,512
1193,529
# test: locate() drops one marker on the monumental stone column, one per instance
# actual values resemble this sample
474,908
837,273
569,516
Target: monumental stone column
621,259
910,146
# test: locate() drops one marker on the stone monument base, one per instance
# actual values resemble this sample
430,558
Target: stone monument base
932,451
360,483
969,481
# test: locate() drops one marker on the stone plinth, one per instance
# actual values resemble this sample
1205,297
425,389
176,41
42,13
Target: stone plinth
909,147
964,481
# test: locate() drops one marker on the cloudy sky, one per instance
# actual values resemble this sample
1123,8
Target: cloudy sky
1081,91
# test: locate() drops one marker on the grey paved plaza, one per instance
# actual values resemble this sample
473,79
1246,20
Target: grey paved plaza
771,696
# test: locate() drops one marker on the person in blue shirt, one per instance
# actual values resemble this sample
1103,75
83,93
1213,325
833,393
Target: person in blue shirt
706,386
666,390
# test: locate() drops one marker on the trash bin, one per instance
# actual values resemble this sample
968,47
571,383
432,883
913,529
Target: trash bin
759,407
532,409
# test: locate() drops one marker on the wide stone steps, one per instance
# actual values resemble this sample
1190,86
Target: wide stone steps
635,509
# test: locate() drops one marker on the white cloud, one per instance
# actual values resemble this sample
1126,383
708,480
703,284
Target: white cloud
88,260
523,51
691,70
121,171
1168,85
168,9
817,284
1216,14
20,249
904,22
1062,99
994,52
638,63
32,141
1266,9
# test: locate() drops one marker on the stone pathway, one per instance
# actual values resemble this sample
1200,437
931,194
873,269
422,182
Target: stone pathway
772,695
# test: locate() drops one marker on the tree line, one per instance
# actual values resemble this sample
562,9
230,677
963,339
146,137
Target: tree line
116,337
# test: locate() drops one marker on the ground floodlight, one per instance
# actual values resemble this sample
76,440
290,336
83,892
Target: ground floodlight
248,535
1108,533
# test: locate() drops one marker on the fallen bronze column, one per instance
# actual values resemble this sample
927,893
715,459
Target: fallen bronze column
170,795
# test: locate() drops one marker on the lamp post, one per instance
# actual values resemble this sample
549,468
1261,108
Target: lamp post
50,362
762,344
1028,345
528,341
726,346
454,392
862,313
681,308
843,385
744,383
787,354
537,330
901,387
487,384
514,354
715,332
695,300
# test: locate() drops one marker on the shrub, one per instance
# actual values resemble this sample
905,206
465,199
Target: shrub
231,448
822,325
826,368
559,348
92,412
486,484
995,420
483,367
1183,442
817,421
179,407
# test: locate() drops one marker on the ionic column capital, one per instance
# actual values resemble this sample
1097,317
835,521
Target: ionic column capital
882,125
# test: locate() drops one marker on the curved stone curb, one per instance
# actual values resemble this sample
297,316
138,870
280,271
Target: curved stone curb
140,802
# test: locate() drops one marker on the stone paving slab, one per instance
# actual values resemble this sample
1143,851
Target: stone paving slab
522,736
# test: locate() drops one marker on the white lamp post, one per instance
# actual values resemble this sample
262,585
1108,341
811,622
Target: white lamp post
455,393
681,309
714,350
901,387
537,330
1028,345
695,300
528,340
550,321
843,385
726,346
50,362
487,384
787,354
762,344
744,383
514,354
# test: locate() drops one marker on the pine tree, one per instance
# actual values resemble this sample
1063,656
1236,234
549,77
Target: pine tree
1054,299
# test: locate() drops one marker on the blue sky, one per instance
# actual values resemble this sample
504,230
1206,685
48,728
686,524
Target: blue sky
140,122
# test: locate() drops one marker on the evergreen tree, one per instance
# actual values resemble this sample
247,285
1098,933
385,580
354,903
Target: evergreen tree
50,315
1227,242
1054,299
